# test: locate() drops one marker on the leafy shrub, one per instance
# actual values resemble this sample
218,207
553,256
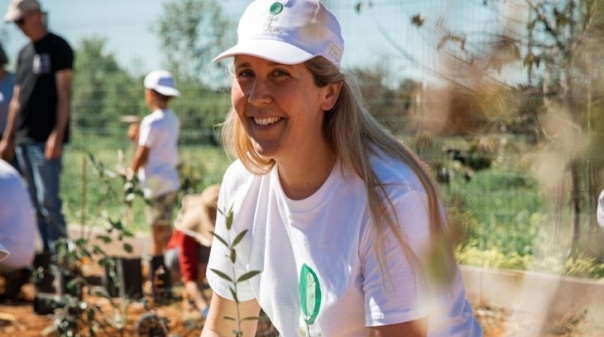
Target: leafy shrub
492,259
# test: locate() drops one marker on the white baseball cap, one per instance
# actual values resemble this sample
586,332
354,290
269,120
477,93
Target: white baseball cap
288,32
162,82
3,252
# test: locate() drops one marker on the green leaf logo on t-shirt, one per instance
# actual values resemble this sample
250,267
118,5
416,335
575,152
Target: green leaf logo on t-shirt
310,294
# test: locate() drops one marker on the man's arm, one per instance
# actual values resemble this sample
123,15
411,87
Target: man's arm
7,143
54,144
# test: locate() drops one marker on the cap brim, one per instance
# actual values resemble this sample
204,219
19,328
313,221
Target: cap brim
167,91
272,50
3,252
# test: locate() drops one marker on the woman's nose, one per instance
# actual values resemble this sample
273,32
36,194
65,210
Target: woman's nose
259,92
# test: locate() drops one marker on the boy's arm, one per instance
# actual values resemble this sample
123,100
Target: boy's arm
139,160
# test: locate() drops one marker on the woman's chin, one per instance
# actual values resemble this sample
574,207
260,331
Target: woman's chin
266,149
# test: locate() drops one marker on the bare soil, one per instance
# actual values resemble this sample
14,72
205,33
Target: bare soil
19,319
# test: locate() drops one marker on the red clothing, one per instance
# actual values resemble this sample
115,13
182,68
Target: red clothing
188,254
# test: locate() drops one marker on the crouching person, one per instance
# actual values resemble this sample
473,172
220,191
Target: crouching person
189,247
17,232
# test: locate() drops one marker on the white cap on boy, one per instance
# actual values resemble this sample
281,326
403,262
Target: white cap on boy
162,82
288,32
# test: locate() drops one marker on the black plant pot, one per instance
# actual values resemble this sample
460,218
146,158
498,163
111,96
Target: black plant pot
45,304
123,278
55,286
44,274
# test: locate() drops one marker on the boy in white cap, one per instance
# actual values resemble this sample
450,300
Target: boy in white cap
155,162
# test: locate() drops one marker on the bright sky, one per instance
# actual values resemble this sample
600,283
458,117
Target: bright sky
381,35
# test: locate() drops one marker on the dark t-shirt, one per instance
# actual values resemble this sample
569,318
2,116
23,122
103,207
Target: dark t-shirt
36,68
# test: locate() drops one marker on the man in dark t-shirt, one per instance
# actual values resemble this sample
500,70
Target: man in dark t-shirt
38,120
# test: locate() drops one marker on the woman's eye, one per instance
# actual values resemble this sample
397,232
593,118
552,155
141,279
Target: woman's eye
279,72
245,73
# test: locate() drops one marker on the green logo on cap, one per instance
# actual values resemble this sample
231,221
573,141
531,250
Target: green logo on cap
276,8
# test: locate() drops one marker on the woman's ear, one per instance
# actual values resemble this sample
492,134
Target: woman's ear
332,93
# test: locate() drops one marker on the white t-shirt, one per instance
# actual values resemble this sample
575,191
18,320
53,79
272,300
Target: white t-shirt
6,94
320,249
159,132
17,220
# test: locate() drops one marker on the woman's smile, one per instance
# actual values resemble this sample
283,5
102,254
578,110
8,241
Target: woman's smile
265,121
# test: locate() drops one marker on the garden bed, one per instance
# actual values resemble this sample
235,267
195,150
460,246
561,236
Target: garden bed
19,319
507,304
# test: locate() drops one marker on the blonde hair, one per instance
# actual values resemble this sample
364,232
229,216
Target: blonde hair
354,135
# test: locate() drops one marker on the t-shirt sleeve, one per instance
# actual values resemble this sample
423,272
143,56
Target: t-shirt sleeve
396,291
64,56
147,134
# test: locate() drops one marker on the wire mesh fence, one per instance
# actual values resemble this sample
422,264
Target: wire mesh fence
404,54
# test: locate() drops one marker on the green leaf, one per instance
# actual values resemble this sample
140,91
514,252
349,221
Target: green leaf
128,247
233,255
118,225
220,239
239,237
104,238
229,220
221,274
234,294
248,275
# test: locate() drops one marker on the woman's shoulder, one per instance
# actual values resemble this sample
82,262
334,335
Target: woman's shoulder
236,175
235,169
393,171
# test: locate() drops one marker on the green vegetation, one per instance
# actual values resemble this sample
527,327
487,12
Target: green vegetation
524,198
499,214
202,165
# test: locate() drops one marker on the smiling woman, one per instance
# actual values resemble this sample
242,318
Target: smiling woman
343,222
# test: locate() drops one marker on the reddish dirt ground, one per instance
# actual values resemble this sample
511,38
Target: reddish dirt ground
20,320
